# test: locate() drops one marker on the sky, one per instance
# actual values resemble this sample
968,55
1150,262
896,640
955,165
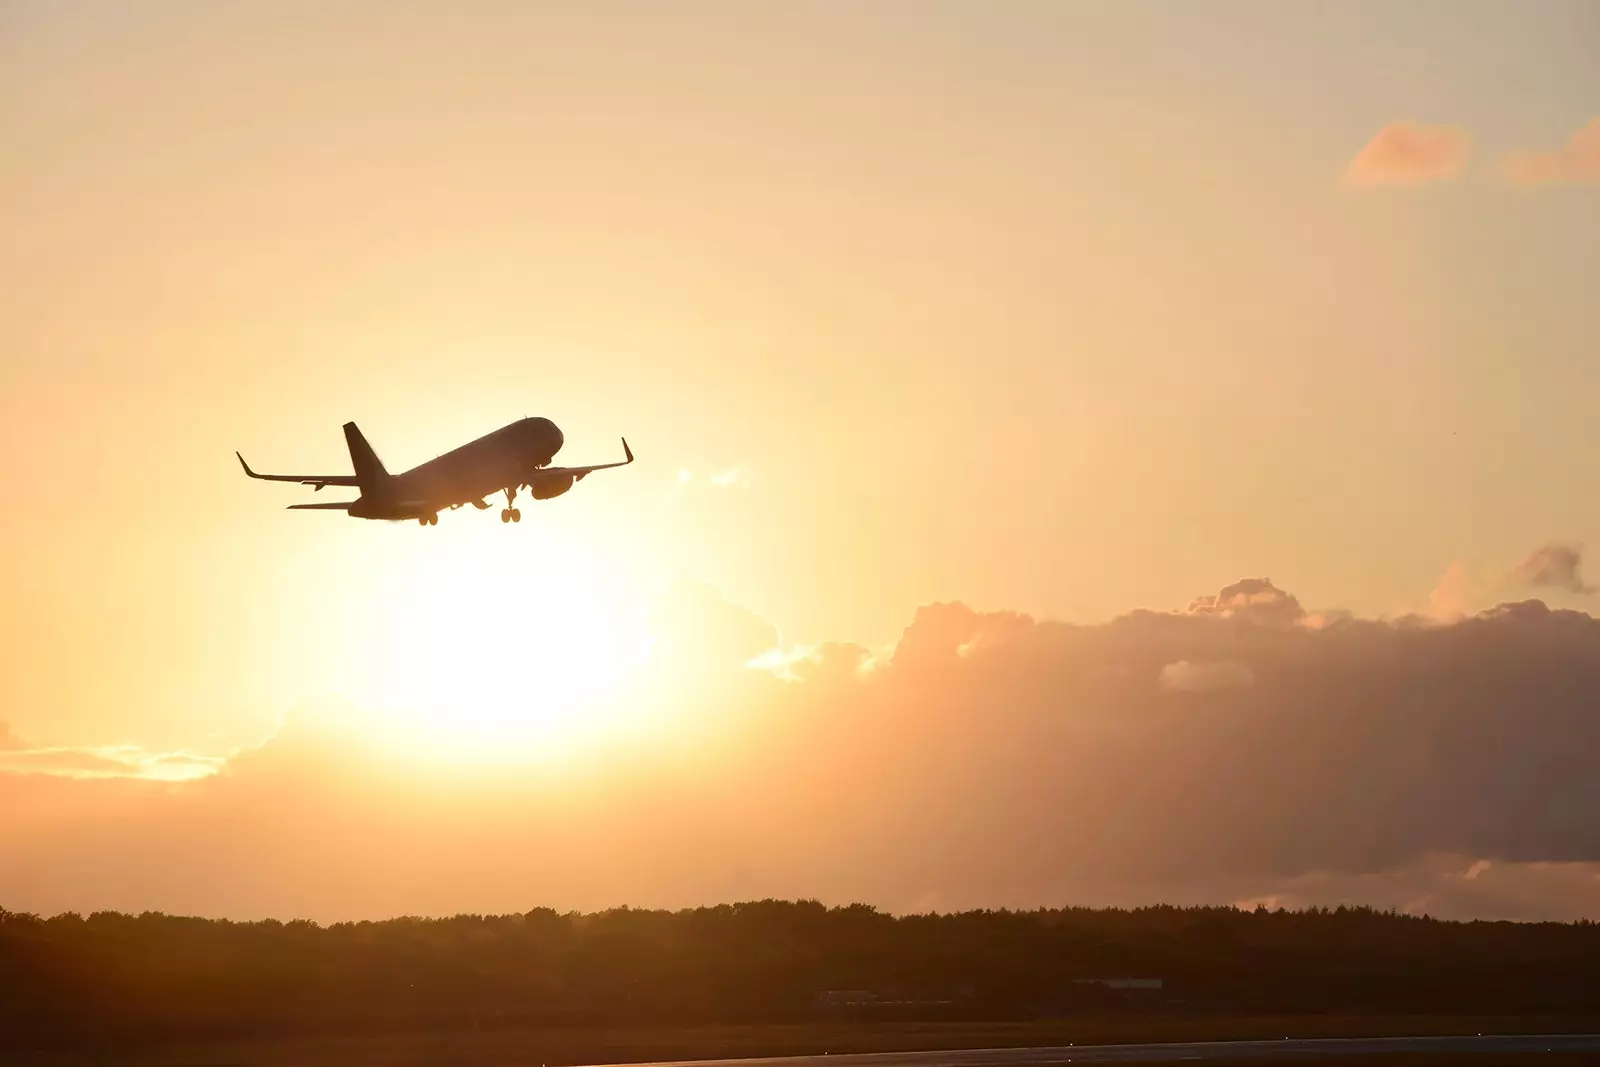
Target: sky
1070,315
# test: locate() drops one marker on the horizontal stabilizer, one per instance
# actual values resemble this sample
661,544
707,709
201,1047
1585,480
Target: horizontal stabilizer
317,480
330,506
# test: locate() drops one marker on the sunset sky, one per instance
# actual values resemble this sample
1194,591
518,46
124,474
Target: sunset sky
1068,310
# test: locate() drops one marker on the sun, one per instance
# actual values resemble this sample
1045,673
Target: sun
493,648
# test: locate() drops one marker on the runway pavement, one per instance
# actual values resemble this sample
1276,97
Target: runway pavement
1176,1051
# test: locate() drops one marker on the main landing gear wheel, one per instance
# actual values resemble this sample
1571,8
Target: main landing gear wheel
511,515
427,520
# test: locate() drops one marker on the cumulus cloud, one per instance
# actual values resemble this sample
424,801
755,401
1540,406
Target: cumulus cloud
1556,565
1576,161
1186,677
1254,600
992,759
1408,153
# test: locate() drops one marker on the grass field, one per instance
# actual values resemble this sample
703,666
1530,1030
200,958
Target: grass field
552,1048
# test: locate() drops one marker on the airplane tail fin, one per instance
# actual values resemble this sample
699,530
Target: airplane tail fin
368,467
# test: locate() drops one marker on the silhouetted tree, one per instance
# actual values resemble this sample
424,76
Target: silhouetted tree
112,976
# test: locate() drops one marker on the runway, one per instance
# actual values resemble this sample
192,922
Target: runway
1171,1052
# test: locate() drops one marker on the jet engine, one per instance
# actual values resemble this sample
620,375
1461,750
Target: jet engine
545,488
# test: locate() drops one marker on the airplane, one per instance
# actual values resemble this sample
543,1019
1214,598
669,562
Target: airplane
516,456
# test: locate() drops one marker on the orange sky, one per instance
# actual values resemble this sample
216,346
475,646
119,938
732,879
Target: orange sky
1062,309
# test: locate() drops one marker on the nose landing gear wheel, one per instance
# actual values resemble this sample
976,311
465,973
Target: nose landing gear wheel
516,514
505,514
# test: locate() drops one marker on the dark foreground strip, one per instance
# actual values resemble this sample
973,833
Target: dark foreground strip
1176,1051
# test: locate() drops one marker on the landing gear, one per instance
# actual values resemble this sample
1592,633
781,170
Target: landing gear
427,520
511,515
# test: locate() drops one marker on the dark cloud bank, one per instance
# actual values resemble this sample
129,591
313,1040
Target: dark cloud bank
1238,750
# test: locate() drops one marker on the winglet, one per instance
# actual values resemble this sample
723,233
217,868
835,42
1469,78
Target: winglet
626,451
246,467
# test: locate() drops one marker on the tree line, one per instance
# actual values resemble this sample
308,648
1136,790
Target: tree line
117,976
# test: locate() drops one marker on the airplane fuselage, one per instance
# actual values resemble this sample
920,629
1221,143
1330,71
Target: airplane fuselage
505,458
517,455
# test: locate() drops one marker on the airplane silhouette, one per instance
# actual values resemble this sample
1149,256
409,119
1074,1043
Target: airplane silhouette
516,456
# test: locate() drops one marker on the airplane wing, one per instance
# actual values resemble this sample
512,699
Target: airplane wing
344,505
577,473
318,480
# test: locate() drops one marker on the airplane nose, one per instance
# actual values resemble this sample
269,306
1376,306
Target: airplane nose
553,432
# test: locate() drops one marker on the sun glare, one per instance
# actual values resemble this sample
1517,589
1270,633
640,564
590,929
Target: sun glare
495,649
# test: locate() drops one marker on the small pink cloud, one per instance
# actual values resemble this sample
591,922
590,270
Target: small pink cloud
1408,153
1577,161
1452,597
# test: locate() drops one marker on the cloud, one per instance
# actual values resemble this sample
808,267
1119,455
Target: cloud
940,632
802,663
107,761
1407,153
1452,596
993,759
1450,886
8,740
1577,161
1253,600
693,623
1186,677
732,478
67,761
1553,566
